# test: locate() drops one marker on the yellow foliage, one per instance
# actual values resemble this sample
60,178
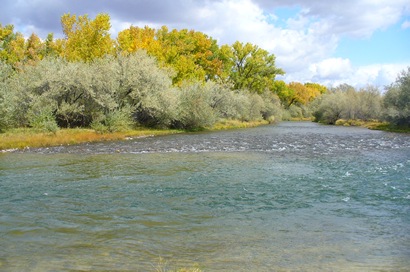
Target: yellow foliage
86,39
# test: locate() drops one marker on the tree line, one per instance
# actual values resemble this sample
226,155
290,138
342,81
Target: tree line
162,78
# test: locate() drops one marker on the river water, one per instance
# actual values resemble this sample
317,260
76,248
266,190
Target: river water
295,196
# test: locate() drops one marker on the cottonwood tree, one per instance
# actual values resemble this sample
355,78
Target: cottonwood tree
86,39
191,54
12,46
250,67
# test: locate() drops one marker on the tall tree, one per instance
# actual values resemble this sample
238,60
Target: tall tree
135,38
86,39
250,67
12,46
34,49
193,55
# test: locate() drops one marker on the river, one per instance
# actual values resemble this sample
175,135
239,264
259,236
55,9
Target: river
295,196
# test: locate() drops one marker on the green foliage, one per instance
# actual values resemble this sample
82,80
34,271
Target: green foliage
147,89
194,109
115,121
286,94
41,117
295,112
347,103
273,109
6,97
369,104
330,108
192,54
250,67
72,87
397,100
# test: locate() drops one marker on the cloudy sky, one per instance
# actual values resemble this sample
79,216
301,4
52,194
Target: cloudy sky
358,42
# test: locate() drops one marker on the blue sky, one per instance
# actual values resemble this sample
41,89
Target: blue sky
384,46
357,42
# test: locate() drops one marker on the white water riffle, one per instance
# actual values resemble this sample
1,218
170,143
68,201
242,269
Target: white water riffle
293,196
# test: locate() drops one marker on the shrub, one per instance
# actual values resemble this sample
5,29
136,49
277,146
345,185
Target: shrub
194,108
40,116
397,100
7,99
255,107
273,109
147,89
331,108
119,120
222,100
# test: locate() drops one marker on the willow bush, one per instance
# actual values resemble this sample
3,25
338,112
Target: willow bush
7,101
272,110
365,104
397,100
114,93
194,108
147,89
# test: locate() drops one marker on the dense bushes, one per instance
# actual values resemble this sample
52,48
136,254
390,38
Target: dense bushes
347,103
118,92
115,93
5,96
397,100
344,102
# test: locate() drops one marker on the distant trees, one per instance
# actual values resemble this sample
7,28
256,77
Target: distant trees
163,78
344,102
397,100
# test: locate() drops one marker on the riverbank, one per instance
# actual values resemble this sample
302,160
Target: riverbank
30,138
374,125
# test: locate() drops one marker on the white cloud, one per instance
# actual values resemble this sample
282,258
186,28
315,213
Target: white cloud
350,17
295,47
378,74
229,21
304,47
405,24
335,71
331,68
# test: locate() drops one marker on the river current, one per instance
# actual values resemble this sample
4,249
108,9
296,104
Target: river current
296,196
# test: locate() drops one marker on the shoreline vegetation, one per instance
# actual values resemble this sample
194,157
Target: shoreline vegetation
89,87
26,138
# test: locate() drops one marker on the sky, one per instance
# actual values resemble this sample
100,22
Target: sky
357,42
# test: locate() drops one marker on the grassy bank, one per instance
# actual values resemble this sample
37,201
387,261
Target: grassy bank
235,124
25,137
373,124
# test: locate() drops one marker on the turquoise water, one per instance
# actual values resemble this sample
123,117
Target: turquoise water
293,196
